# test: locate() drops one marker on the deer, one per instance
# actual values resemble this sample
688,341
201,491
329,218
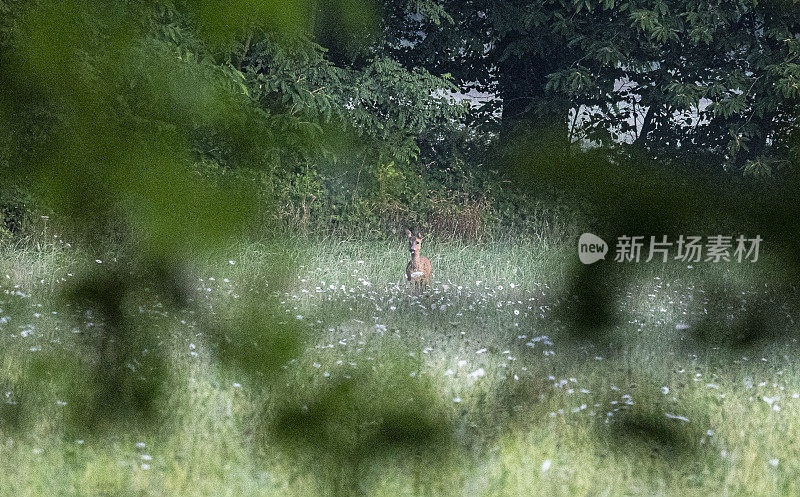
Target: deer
419,269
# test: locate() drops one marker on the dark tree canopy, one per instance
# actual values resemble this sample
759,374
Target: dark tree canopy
692,79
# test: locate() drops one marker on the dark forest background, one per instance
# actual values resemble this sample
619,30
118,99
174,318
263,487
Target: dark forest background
359,117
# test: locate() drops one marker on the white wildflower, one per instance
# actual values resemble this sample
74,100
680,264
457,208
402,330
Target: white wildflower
770,400
679,418
478,373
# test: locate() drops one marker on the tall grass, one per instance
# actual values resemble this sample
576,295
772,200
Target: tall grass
503,400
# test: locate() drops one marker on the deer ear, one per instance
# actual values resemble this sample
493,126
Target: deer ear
419,234
408,233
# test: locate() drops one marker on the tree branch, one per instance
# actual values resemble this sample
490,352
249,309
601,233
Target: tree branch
244,53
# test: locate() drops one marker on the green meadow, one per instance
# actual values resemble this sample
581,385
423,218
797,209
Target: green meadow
474,387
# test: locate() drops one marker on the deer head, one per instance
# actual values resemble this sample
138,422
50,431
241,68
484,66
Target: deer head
414,243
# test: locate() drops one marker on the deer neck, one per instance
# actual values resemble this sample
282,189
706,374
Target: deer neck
415,258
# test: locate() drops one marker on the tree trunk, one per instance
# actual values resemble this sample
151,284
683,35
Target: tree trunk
647,126
757,145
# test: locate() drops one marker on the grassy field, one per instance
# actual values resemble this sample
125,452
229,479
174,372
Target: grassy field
473,388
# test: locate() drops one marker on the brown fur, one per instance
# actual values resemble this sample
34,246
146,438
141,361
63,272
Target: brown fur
417,264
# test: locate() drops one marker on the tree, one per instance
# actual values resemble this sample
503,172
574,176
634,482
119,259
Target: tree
676,79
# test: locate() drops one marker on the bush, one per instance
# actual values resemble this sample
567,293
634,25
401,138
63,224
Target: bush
16,212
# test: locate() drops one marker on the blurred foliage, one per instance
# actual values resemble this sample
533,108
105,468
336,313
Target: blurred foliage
344,427
105,115
163,131
255,341
630,197
648,426
157,133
